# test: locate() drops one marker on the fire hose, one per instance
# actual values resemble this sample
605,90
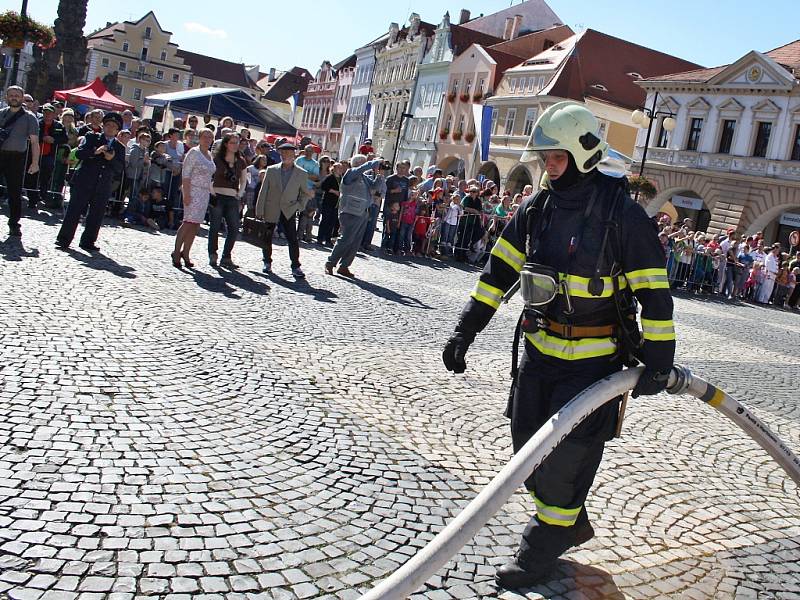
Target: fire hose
413,574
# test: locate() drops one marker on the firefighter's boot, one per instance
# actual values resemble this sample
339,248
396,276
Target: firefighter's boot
539,550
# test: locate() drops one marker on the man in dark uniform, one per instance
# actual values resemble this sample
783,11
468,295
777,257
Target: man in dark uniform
579,332
102,160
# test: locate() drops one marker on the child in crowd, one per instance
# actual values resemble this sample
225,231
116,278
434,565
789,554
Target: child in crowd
754,281
450,222
159,210
781,285
138,211
160,163
421,227
392,229
408,215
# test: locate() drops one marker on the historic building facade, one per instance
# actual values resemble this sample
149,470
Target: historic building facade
318,106
143,56
354,129
395,76
345,73
733,159
586,68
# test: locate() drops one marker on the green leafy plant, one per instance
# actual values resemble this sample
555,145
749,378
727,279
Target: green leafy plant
16,30
644,186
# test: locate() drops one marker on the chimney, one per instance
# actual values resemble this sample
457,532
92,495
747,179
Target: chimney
463,17
508,28
271,76
516,27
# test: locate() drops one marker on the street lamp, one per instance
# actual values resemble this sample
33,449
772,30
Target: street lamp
403,117
645,117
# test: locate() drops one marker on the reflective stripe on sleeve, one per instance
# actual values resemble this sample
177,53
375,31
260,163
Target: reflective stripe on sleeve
652,279
488,294
658,331
505,251
554,515
571,349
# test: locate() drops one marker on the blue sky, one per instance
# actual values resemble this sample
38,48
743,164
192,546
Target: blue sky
283,34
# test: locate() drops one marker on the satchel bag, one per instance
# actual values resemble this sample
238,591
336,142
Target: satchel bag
5,129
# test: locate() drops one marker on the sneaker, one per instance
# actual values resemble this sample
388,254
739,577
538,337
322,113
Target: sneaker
267,267
212,259
228,264
298,273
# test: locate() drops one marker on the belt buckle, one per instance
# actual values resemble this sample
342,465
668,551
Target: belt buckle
567,330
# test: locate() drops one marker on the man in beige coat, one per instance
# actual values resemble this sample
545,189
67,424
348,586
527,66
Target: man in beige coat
283,192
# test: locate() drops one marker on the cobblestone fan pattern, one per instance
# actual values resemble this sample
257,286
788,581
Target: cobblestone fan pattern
224,435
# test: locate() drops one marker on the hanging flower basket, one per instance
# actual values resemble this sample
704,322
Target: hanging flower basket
464,97
456,135
477,96
443,134
15,30
451,98
643,185
469,137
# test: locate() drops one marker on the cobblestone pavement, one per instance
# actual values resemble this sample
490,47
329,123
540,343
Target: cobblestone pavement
213,434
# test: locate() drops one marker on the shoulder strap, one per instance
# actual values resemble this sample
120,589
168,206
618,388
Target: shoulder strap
534,213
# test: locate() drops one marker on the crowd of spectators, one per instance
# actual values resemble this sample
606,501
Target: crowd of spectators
201,172
730,266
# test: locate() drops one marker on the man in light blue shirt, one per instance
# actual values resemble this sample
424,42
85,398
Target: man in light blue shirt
310,166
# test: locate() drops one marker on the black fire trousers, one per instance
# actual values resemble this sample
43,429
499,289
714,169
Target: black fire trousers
12,169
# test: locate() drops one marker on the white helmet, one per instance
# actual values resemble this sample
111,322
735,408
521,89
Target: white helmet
568,126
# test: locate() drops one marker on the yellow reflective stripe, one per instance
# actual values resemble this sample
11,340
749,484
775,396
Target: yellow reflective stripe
488,294
505,251
579,286
571,349
658,331
652,279
555,515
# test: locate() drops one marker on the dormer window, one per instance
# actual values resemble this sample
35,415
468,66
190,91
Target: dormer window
148,33
600,86
125,46
635,75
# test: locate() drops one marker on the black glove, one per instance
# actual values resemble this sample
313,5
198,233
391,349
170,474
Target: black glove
650,382
455,349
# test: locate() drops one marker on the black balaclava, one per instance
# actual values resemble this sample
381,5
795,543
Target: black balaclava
569,177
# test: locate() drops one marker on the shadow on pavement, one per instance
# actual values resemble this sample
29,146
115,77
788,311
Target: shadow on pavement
13,250
101,262
301,286
242,281
388,294
210,283
588,582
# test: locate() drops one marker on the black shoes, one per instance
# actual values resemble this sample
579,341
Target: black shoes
539,550
15,231
89,247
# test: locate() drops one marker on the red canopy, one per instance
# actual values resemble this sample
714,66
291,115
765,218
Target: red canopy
94,94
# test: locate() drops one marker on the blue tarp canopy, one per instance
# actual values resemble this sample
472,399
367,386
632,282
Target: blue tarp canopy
224,102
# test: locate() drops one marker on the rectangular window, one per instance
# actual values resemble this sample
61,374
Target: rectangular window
694,134
437,95
511,116
143,55
202,84
125,46
191,80
148,33
175,78
159,74
468,87
120,90
762,139
661,142
494,121
137,93
454,87
104,62
522,83
431,130
726,137
531,84
541,82
123,66
512,85
796,144
530,119
461,124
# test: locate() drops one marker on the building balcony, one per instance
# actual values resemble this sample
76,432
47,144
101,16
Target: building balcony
141,76
726,163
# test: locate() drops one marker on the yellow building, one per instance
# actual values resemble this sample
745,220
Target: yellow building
141,53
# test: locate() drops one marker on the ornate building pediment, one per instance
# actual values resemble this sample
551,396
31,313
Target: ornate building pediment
754,70
698,107
730,109
766,110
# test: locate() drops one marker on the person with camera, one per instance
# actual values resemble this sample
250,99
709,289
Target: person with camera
356,190
18,128
585,255
230,180
102,162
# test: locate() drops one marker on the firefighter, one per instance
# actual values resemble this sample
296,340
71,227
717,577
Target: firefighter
584,253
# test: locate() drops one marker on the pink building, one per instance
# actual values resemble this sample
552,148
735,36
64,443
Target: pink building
344,73
473,76
318,106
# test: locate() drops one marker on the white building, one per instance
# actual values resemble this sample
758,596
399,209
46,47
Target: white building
733,159
354,129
